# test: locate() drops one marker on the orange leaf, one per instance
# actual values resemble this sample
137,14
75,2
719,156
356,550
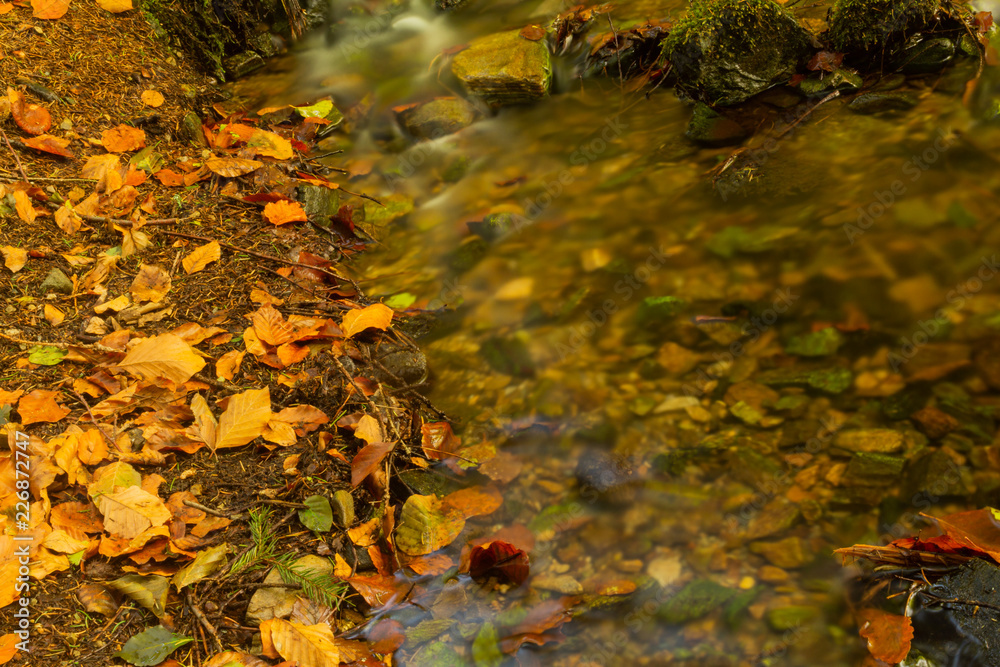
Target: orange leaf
122,139
283,212
40,406
8,647
49,9
170,178
115,6
98,166
152,98
888,635
201,257
49,144
368,459
375,316
473,501
5,7
31,118
230,167
533,32
438,441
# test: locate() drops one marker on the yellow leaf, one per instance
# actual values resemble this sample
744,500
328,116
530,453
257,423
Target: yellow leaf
201,257
115,6
231,167
14,258
99,165
151,98
426,525
151,284
67,219
164,356
25,210
205,422
49,9
368,429
130,511
375,316
53,315
244,419
228,364
271,145
306,645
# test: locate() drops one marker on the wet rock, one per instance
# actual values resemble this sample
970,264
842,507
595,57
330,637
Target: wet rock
707,127
494,226
905,403
791,617
56,281
190,130
505,69
789,553
242,64
697,599
926,55
562,583
838,79
871,25
871,103
400,364
508,354
448,5
934,423
320,203
936,475
987,361
727,51
437,118
606,476
468,254
820,343
757,471
659,310
777,516
872,440
867,469
827,380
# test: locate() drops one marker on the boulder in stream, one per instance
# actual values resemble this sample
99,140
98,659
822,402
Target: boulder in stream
505,69
436,118
726,51
871,25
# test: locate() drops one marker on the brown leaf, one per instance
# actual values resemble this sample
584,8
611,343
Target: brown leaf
230,167
438,441
170,178
97,599
368,459
152,98
375,316
270,325
122,139
533,32
283,212
67,219
369,430
228,364
98,166
888,635
499,559
201,257
151,284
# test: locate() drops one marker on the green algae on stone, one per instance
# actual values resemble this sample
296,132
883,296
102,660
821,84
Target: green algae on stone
438,117
870,468
505,69
708,127
727,51
656,310
871,25
791,617
820,343
697,599
827,380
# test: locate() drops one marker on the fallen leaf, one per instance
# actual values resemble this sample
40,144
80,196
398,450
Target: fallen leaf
22,203
8,647
438,441
499,559
230,167
201,257
369,430
533,33
49,144
368,459
283,212
41,406
31,118
97,599
425,525
151,283
244,419
115,6
152,646
888,635
228,364
169,178
151,98
271,145
122,139
129,512
166,356
67,219
98,166
53,315
375,316
49,9
205,564
14,258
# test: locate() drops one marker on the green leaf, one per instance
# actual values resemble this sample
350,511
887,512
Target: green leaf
152,646
149,592
486,647
46,356
206,563
317,515
400,301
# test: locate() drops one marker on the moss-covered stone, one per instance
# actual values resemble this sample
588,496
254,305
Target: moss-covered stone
438,117
505,69
871,25
709,128
726,51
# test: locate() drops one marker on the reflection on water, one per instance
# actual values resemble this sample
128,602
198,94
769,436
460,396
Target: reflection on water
702,387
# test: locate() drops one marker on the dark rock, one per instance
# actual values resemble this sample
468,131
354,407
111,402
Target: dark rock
867,468
400,364
827,380
934,475
869,103
440,116
320,203
505,69
934,423
709,128
242,64
190,130
508,354
871,25
726,51
926,55
56,281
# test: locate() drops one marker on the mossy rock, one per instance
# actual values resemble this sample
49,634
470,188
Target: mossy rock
438,117
505,69
872,25
726,51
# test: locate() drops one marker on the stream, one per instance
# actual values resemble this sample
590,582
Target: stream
698,392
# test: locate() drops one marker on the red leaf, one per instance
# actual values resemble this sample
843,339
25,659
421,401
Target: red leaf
386,636
888,635
499,559
976,529
31,118
368,459
984,21
826,61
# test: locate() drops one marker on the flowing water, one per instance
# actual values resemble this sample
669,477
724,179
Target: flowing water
845,283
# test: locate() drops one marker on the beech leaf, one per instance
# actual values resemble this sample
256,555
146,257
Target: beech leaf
888,635
244,418
152,646
375,316
166,356
318,515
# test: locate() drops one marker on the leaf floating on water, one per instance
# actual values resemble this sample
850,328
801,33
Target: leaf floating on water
888,635
152,646
320,109
533,33
426,526
499,559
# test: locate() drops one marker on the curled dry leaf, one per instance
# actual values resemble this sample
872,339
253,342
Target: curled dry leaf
122,139
67,219
31,118
283,212
368,459
201,257
375,316
229,364
53,315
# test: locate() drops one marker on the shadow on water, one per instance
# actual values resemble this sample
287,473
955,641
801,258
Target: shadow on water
674,368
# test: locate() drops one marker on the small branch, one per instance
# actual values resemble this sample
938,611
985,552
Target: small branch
209,510
200,615
17,157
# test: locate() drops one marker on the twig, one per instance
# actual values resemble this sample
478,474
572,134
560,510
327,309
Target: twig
17,158
93,419
200,615
209,510
618,51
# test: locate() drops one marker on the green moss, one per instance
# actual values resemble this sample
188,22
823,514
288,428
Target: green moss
870,25
737,24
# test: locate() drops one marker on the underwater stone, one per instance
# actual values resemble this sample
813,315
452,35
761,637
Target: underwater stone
709,128
869,103
926,55
870,25
440,116
505,69
871,440
726,51
242,64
